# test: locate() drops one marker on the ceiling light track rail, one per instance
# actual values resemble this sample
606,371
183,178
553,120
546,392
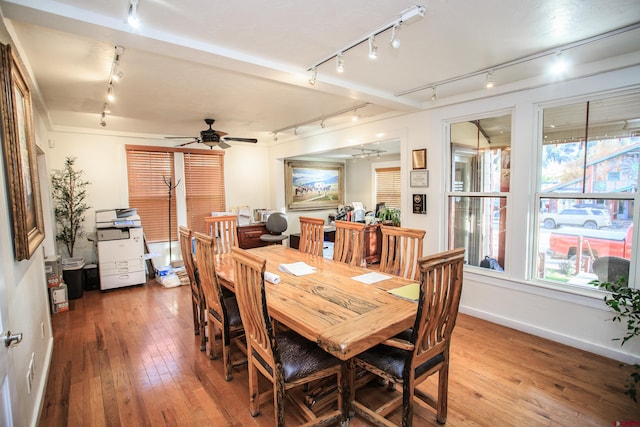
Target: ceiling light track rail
321,119
554,51
406,16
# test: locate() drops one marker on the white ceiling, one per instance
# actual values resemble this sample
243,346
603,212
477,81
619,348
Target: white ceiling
245,63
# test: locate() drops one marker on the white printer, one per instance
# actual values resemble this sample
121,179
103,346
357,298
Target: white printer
120,248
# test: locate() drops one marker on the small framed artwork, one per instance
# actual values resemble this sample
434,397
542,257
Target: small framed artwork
419,159
419,178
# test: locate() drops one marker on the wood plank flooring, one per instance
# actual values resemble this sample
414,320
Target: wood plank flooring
129,357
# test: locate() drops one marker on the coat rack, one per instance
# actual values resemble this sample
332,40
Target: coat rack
170,187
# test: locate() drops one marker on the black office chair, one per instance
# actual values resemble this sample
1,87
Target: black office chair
611,268
276,225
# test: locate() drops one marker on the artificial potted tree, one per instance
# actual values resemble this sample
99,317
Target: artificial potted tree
625,302
68,190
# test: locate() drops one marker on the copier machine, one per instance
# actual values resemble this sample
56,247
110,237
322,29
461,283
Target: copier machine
120,248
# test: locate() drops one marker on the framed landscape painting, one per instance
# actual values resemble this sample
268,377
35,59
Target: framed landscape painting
313,185
20,157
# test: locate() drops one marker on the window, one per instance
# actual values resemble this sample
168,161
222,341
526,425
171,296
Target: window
480,182
388,186
204,186
588,188
148,168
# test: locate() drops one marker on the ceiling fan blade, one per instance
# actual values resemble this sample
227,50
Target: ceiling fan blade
179,137
187,143
220,133
242,139
223,145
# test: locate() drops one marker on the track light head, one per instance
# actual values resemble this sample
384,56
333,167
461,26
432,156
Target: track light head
434,94
110,95
395,42
132,15
314,76
489,84
373,49
339,63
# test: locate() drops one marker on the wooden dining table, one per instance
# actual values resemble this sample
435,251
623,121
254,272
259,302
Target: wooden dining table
342,315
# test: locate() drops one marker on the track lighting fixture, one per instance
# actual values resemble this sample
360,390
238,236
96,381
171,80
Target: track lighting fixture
395,42
556,52
314,76
322,119
110,95
373,49
407,16
339,63
489,84
559,64
103,122
354,116
434,94
132,15
106,109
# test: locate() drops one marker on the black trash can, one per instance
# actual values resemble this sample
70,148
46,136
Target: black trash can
73,276
91,277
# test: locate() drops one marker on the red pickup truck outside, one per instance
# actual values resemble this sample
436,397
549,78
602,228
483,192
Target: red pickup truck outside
600,243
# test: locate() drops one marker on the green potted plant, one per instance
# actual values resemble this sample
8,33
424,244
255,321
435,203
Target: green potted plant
68,191
389,216
625,302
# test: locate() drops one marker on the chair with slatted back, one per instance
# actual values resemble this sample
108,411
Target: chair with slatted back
197,299
224,229
221,312
401,249
311,235
283,357
349,241
424,350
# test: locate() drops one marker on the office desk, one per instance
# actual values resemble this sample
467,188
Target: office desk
345,317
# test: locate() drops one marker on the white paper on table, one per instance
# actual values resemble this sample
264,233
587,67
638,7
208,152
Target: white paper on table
271,277
372,277
297,268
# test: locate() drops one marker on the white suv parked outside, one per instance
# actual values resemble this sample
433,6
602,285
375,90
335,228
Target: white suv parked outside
580,217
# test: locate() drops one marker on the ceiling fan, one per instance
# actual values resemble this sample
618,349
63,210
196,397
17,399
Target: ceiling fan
212,138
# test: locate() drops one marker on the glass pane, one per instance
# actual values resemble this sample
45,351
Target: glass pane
583,240
592,147
478,225
481,155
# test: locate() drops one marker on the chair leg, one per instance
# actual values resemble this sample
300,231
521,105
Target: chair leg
278,400
203,326
407,403
212,339
443,387
196,318
226,355
254,395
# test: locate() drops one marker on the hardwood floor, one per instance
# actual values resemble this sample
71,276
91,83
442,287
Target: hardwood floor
129,358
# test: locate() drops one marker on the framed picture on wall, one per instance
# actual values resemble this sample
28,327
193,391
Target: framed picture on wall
20,157
419,159
313,185
419,178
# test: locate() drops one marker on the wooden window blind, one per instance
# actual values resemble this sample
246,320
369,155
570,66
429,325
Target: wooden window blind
204,186
147,169
388,186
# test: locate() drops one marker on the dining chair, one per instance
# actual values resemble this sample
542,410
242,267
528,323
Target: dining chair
283,357
197,298
425,348
311,235
349,241
221,312
276,225
401,249
224,229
